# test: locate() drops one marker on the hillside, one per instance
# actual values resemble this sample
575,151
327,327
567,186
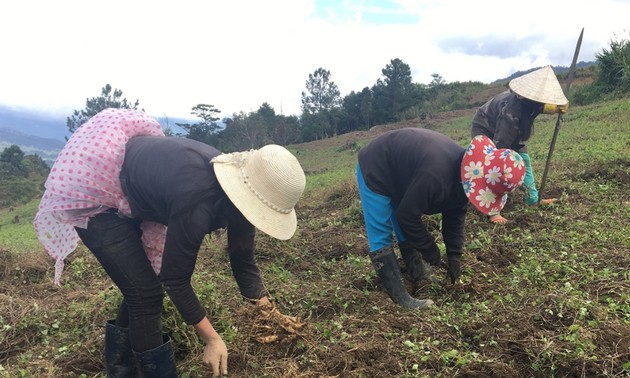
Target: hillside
30,122
40,133
45,134
546,295
46,148
559,70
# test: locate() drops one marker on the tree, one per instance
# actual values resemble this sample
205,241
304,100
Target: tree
243,132
320,106
285,130
12,155
614,66
279,129
11,162
322,93
205,130
437,81
358,108
268,116
94,105
35,166
394,94
267,112
319,125
207,114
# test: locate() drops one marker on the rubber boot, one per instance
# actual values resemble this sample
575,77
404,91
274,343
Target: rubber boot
158,362
416,266
386,266
120,361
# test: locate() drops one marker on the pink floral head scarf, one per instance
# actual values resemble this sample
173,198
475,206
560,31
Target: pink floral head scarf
84,181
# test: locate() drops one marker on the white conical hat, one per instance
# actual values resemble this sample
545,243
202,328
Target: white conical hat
541,86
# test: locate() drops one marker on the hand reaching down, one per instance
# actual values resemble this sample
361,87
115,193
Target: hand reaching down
215,355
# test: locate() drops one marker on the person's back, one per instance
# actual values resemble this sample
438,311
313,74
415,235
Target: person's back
506,119
417,158
162,176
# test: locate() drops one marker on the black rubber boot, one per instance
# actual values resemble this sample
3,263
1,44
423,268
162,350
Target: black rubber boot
120,361
386,266
416,266
158,362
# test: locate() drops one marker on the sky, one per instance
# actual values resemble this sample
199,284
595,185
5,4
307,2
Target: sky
239,54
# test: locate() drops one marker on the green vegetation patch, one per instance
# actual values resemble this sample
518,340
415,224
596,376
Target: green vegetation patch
546,295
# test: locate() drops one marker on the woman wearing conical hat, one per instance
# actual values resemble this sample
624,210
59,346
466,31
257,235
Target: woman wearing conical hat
508,119
142,203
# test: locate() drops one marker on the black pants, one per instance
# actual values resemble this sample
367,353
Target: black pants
117,245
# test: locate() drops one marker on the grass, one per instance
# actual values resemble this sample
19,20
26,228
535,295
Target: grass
16,228
547,295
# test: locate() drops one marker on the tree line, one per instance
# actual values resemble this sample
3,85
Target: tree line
326,113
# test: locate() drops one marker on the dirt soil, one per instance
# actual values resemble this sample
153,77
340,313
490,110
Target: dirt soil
373,352
372,322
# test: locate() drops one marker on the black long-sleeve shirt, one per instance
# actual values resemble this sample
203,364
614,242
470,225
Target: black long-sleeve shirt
507,120
171,181
419,170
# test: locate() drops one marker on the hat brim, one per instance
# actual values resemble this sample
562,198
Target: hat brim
541,86
273,223
493,210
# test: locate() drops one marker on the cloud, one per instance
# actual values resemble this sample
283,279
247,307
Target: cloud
489,45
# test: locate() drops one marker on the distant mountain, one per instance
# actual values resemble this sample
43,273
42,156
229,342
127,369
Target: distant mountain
33,123
557,69
46,148
45,134
45,125
13,136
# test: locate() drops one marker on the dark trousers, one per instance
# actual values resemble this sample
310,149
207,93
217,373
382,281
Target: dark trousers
117,245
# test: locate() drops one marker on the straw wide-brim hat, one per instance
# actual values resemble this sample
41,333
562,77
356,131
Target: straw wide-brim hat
265,185
541,86
489,173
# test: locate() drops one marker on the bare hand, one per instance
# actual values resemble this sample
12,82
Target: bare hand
264,301
215,355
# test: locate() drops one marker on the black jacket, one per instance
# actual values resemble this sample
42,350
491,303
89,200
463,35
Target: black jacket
419,170
171,181
506,119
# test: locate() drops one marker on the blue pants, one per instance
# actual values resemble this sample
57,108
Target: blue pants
379,213
116,244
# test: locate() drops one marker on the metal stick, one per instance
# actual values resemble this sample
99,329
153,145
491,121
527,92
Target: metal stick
559,119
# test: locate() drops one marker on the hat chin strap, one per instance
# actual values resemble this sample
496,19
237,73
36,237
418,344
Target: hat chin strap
237,158
262,199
